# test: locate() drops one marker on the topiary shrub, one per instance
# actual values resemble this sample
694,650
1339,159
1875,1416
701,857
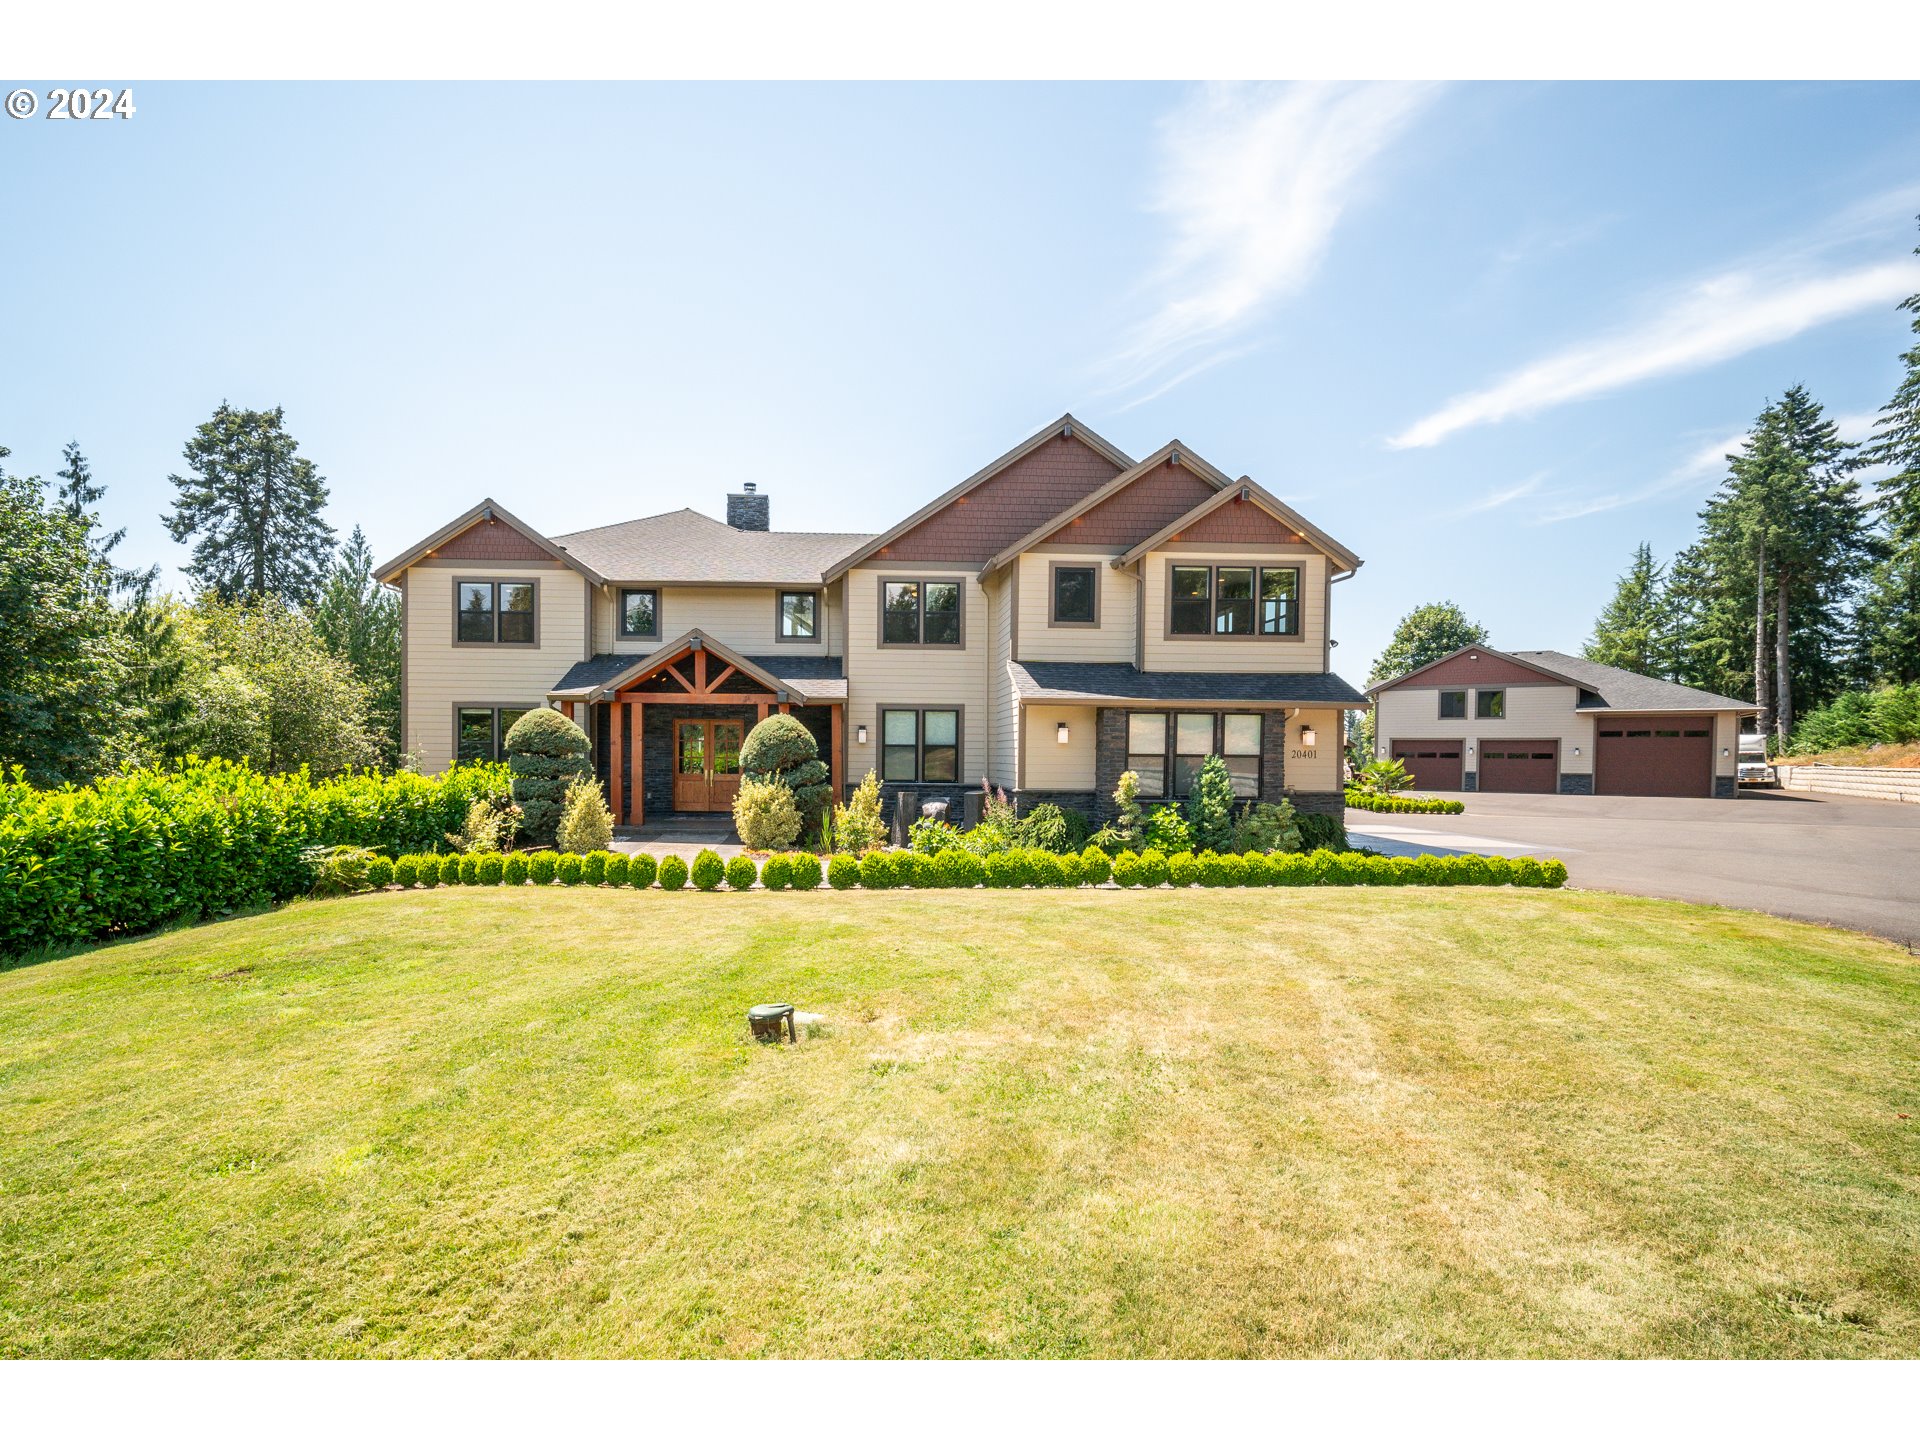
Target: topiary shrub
568,869
876,870
546,753
912,871
427,871
1095,867
708,870
379,872
470,869
782,751
1210,806
1499,869
1555,872
741,873
1183,869
777,873
492,868
544,867
1007,870
406,870
516,869
450,869
1154,870
843,872
1259,868
617,866
1126,869
765,814
586,824
959,869
593,867
673,872
804,869
641,870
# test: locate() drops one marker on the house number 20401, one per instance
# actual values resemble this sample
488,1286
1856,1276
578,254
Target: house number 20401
1303,754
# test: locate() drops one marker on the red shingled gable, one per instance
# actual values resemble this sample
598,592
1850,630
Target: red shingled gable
1156,499
995,513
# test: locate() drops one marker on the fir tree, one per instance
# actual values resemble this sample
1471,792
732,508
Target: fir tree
358,619
252,506
1635,631
1895,442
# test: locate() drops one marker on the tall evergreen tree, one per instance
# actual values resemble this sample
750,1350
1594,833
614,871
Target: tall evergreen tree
1895,442
1889,615
358,619
1635,630
1889,619
252,505
77,494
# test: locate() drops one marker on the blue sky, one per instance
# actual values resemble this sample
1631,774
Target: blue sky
1490,336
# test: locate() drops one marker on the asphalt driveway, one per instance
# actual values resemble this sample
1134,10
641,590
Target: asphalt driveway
1854,863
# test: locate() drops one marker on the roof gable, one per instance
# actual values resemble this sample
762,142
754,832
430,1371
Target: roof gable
1477,664
1165,485
1047,472
458,535
1243,491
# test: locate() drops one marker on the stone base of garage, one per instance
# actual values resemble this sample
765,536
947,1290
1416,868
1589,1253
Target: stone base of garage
1576,784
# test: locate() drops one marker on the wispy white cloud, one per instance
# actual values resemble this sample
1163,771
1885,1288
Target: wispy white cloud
1707,460
1253,180
1727,315
1495,499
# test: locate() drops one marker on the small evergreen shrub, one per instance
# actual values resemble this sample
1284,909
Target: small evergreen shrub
673,872
1555,872
803,869
843,872
1167,830
1183,869
1290,870
1322,832
708,870
338,869
641,870
1210,806
450,869
876,870
515,869
1233,870
1259,868
1126,869
617,865
741,873
406,870
491,869
1266,828
1208,870
1154,870
777,873
780,750
1095,868
857,826
586,824
568,869
1499,869
379,872
427,870
544,867
765,812
593,867
470,868
546,753
960,869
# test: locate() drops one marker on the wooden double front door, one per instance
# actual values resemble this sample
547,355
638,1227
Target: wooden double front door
706,763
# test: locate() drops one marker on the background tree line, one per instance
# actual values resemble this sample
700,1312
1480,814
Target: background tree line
287,652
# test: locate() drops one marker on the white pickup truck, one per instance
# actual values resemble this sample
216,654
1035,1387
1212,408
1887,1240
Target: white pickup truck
1755,768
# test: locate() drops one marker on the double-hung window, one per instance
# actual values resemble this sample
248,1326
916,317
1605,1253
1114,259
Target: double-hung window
640,614
1215,600
920,612
799,615
1147,751
920,745
494,612
480,731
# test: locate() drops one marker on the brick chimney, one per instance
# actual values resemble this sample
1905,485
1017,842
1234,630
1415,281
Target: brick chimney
748,509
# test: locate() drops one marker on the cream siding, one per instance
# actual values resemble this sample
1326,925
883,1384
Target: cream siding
1252,653
1315,767
1534,712
441,675
1051,765
881,675
1003,740
740,616
1112,640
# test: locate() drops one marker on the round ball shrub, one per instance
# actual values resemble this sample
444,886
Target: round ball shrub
1154,870
616,869
1232,870
783,751
959,869
1555,872
405,871
450,869
515,869
708,870
641,870
1209,870
379,872
427,870
804,868
470,869
543,868
843,872
673,873
1126,869
1095,867
1007,870
1499,869
876,870
492,867
546,752
568,870
740,873
777,873
593,867
1182,869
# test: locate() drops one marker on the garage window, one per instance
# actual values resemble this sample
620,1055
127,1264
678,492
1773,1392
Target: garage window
1490,704
1453,704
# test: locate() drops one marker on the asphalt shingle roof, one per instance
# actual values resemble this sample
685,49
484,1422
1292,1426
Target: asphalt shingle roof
818,677
687,548
1083,681
1622,689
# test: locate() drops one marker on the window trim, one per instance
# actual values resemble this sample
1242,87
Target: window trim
819,595
1480,695
1169,757
496,581
620,631
498,751
1054,622
922,579
1213,568
919,713
1440,704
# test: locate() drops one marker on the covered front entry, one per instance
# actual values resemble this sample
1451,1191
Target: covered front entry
1653,755
1434,764
706,763
1520,767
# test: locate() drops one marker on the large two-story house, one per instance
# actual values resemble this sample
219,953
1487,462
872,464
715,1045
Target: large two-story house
1058,617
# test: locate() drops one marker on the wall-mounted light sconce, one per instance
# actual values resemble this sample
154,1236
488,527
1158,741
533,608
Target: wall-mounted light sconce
1724,752
859,734
1469,749
1060,732
1308,737
1576,750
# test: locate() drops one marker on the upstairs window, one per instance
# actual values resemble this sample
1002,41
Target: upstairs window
799,615
920,612
1216,600
1076,591
1490,704
1453,704
494,612
640,614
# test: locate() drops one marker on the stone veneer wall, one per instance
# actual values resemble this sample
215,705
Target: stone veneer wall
1576,784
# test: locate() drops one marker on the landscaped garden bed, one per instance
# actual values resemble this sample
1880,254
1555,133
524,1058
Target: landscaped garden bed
1403,804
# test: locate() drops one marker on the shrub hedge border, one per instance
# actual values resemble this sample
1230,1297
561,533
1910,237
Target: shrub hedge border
1403,804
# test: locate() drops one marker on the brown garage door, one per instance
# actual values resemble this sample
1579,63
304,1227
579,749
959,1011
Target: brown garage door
1654,755
1522,767
1434,764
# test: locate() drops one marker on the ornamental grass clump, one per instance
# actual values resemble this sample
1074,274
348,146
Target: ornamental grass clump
741,873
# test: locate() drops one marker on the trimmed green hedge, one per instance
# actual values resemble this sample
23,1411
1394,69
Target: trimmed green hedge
1403,804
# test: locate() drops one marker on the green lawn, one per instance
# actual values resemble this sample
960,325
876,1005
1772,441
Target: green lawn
1304,1122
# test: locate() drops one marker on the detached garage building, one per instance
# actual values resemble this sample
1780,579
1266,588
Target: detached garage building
1539,721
